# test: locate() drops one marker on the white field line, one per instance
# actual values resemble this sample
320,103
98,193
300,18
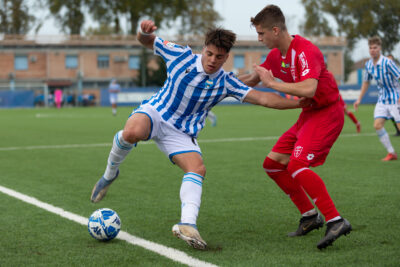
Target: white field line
203,141
168,252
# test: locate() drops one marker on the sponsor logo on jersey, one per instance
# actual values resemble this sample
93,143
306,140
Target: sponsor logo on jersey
285,65
310,156
169,44
305,72
303,60
297,151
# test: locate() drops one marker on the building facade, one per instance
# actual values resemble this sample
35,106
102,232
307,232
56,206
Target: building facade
80,64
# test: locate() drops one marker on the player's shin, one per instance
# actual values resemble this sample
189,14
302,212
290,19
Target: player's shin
119,151
190,195
315,188
277,172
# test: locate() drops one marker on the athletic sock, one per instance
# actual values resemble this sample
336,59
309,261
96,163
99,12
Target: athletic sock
190,194
119,151
315,188
352,117
292,188
385,140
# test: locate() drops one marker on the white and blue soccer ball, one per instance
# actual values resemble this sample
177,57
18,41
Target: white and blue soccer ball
104,224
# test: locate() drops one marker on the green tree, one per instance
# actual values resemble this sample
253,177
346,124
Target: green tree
355,19
15,17
147,76
69,14
191,15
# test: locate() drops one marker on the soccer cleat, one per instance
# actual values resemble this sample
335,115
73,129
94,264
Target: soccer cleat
100,188
307,224
190,234
333,231
358,126
390,156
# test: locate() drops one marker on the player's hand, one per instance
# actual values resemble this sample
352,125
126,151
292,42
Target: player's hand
265,75
148,26
356,104
305,102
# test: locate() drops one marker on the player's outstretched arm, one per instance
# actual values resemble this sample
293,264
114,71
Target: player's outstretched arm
251,79
306,88
273,100
145,36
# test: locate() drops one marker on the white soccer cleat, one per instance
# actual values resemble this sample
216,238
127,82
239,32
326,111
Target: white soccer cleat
190,234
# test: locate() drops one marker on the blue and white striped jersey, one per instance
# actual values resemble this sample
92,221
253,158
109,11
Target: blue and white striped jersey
387,74
189,93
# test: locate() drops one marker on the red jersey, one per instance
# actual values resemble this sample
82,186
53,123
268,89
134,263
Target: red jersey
304,60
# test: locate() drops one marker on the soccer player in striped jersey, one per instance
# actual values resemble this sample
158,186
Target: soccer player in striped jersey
387,75
174,116
300,66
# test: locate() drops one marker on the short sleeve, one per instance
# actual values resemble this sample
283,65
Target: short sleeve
236,88
309,64
168,50
366,76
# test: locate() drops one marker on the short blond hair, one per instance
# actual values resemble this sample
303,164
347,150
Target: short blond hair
375,40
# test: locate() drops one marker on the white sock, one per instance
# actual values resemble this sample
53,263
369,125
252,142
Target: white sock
385,140
190,194
309,213
337,218
119,151
114,111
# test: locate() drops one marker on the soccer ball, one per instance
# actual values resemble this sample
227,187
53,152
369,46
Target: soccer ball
104,224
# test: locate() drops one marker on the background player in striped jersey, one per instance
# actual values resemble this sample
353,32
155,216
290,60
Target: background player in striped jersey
174,116
387,75
300,66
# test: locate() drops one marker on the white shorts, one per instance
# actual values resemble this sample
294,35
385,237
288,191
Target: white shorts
387,111
113,98
169,140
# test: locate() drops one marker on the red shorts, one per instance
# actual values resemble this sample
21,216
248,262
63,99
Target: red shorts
310,139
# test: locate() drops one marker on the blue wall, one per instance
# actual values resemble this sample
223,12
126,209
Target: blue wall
134,96
16,99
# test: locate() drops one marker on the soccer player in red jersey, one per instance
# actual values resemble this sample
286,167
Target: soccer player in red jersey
300,66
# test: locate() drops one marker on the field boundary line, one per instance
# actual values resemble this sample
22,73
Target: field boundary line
201,141
171,253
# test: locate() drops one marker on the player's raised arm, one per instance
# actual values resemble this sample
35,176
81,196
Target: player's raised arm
145,35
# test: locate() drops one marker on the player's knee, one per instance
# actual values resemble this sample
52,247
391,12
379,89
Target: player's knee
134,134
294,167
272,167
201,170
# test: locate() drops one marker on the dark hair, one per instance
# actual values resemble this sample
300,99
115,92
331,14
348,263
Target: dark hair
375,40
271,16
221,38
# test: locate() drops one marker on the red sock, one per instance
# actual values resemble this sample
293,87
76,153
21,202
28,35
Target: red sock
352,117
282,178
315,188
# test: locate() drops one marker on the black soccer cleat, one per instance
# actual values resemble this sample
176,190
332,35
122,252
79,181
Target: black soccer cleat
333,231
307,224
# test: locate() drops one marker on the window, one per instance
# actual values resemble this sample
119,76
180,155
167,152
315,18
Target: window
71,62
103,61
238,61
134,62
21,62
